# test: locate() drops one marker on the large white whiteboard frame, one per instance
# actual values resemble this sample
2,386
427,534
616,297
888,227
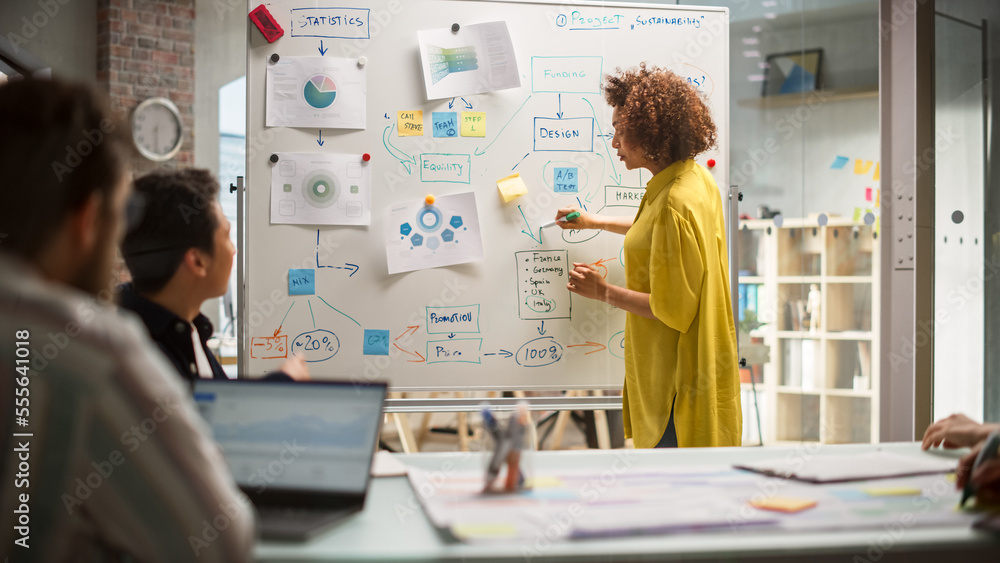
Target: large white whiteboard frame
260,144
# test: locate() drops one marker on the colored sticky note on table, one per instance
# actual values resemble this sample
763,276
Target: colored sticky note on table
376,342
784,504
566,180
445,123
511,187
892,491
302,282
473,124
839,163
487,530
410,123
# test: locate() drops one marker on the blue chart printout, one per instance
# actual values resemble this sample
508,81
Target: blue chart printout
479,58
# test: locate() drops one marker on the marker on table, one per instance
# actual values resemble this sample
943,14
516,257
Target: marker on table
565,218
988,452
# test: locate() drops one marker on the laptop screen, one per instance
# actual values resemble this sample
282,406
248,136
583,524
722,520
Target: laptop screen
309,436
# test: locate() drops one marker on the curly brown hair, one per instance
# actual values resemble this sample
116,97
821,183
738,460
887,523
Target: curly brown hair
660,113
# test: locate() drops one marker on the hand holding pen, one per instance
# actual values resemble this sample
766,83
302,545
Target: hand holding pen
979,472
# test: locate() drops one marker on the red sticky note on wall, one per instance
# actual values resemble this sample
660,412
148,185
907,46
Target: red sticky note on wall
868,194
266,23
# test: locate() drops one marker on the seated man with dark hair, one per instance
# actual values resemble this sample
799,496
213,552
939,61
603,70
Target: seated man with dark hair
104,456
180,254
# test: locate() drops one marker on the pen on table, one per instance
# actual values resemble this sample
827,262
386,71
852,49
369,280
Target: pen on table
490,422
988,452
563,219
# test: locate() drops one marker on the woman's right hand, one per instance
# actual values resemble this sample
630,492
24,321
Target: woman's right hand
586,220
956,431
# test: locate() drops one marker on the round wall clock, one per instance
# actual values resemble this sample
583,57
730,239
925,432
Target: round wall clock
157,129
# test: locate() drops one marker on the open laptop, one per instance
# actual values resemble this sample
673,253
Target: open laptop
301,451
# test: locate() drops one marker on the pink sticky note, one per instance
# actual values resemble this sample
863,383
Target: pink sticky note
868,194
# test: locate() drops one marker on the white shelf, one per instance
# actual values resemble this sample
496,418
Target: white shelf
798,334
831,411
800,279
849,335
848,279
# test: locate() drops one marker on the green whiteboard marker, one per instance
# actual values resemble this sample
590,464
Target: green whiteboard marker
567,217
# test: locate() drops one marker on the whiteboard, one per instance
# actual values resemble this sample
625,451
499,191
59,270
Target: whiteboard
505,321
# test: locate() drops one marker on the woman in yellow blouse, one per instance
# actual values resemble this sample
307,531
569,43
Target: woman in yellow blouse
681,380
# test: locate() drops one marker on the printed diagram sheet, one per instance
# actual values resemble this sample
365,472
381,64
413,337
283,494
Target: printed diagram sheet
479,58
323,92
320,189
421,235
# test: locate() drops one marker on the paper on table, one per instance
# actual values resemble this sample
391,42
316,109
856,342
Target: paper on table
478,58
420,236
316,92
839,468
511,187
320,189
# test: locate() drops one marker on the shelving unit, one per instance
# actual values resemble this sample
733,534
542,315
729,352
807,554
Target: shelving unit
821,384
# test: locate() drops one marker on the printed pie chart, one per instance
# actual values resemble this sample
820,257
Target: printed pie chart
320,91
321,188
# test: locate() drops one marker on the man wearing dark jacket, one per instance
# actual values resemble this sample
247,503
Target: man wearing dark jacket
179,254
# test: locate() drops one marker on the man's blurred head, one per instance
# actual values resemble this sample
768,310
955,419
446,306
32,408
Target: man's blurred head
64,156
183,232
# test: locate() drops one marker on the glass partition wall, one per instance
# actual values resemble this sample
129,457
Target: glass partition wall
805,155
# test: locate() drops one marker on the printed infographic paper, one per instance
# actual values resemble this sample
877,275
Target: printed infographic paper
421,236
320,189
479,58
322,92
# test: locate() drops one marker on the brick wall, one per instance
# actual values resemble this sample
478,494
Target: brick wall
145,48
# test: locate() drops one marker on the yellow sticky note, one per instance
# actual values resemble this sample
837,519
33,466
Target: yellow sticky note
877,173
410,123
892,491
784,504
511,187
862,166
547,482
483,530
473,124
857,214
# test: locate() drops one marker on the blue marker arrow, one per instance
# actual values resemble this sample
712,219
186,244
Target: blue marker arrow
322,51
467,104
541,329
479,152
406,160
522,160
451,103
348,266
537,239
320,140
559,113
617,177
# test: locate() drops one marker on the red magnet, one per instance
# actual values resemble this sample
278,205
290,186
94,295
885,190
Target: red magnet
366,157
266,23
711,163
